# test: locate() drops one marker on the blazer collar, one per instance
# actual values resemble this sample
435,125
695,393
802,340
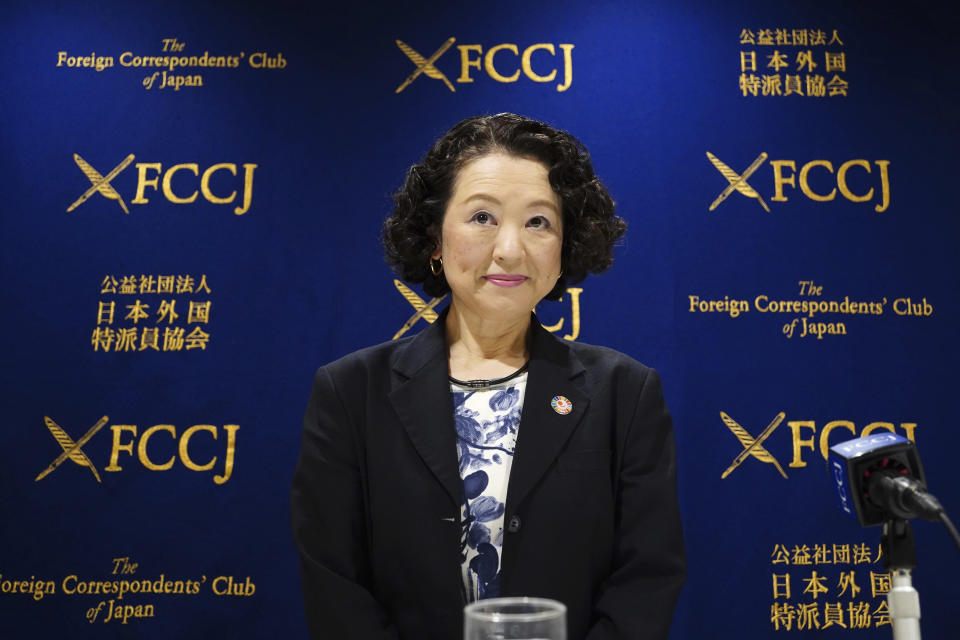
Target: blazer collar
423,403
555,371
422,400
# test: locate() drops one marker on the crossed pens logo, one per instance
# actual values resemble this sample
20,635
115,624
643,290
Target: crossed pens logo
737,182
100,184
421,308
752,447
151,176
72,451
425,65
505,63
818,181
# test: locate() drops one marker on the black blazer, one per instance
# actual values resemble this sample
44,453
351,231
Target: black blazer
591,514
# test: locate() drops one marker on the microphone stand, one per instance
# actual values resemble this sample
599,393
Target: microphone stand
900,557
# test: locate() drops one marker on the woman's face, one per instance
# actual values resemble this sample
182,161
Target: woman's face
501,237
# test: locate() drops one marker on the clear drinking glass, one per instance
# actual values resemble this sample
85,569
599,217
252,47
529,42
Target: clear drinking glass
515,619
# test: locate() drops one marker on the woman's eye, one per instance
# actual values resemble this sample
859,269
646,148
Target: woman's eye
539,222
482,217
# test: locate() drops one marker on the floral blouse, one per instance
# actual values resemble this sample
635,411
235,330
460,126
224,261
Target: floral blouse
487,420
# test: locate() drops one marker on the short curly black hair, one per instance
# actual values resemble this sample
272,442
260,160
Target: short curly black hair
590,228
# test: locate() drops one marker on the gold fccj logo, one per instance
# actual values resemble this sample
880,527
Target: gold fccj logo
126,437
499,62
817,180
805,436
426,310
752,446
72,450
151,175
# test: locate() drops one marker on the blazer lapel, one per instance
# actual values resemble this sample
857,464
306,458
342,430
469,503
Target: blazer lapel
421,398
554,371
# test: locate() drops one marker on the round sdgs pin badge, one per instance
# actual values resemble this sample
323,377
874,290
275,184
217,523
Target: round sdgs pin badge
561,405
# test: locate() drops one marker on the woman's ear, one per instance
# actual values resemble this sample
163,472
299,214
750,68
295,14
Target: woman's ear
434,234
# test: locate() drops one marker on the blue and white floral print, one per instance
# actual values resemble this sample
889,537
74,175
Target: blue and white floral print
487,421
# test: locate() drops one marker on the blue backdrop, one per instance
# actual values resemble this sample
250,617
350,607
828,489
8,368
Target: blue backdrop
190,221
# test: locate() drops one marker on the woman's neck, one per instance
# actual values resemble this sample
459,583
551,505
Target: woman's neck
483,348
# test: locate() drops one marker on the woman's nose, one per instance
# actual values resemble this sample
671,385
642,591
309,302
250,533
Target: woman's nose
508,247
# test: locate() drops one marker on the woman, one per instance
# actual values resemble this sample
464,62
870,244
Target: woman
485,457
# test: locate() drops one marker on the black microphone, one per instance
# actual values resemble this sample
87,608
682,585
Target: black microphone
902,496
880,479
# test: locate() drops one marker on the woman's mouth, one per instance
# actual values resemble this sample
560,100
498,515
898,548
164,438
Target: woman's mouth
505,279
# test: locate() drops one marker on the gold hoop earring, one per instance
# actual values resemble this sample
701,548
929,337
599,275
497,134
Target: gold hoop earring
436,271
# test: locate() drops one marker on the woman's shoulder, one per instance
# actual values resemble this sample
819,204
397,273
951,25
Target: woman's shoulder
601,365
378,357
593,355
604,365
596,353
